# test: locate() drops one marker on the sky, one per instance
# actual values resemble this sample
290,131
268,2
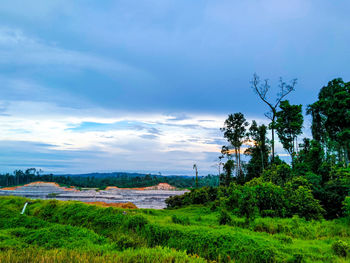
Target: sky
144,86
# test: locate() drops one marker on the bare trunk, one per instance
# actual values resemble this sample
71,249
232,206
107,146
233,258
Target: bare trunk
236,154
273,135
262,158
239,161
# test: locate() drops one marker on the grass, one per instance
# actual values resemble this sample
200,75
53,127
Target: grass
57,231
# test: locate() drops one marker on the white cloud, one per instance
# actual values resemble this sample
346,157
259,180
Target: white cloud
21,49
170,145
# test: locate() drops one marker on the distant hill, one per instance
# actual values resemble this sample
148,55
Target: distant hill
121,174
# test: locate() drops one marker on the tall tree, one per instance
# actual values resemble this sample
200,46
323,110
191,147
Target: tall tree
333,108
235,132
196,169
259,152
262,88
318,122
289,124
226,177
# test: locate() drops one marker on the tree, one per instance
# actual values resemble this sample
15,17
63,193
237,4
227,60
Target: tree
226,178
310,156
195,168
262,89
318,122
235,131
289,124
259,152
333,110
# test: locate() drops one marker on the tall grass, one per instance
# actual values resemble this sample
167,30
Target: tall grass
76,227
146,255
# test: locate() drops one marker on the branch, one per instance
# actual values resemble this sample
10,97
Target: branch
285,90
261,90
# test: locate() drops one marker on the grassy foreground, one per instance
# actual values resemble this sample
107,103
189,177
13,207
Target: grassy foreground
57,231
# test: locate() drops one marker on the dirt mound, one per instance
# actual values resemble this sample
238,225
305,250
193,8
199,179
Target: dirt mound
108,188
160,186
121,205
9,188
41,184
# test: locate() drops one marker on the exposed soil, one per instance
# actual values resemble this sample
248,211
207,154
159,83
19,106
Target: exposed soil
51,184
121,205
160,186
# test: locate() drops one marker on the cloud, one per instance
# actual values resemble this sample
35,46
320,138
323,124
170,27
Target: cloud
72,140
20,49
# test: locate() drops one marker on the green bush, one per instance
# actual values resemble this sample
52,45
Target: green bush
224,218
346,207
125,241
180,220
137,221
341,248
213,244
302,202
278,174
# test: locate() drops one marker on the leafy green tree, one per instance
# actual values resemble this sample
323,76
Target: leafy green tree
278,174
270,199
235,132
262,89
318,122
289,124
301,200
259,152
310,156
332,116
247,203
334,191
226,178
346,207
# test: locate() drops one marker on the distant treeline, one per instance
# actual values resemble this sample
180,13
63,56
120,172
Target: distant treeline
97,180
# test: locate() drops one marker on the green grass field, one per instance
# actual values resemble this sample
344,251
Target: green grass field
57,231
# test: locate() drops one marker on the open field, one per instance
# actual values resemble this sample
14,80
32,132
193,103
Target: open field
57,231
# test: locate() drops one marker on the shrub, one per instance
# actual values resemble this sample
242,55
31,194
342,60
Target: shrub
224,218
180,220
346,207
136,222
125,241
303,203
278,174
297,258
247,203
341,248
175,201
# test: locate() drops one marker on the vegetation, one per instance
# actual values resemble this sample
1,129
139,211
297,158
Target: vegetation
57,231
317,182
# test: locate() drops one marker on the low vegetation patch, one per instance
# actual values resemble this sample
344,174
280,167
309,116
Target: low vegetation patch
59,231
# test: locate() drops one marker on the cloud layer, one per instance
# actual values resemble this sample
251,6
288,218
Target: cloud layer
119,85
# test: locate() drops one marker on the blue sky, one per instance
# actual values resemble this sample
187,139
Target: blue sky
145,85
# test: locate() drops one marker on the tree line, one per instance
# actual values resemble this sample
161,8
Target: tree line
122,180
